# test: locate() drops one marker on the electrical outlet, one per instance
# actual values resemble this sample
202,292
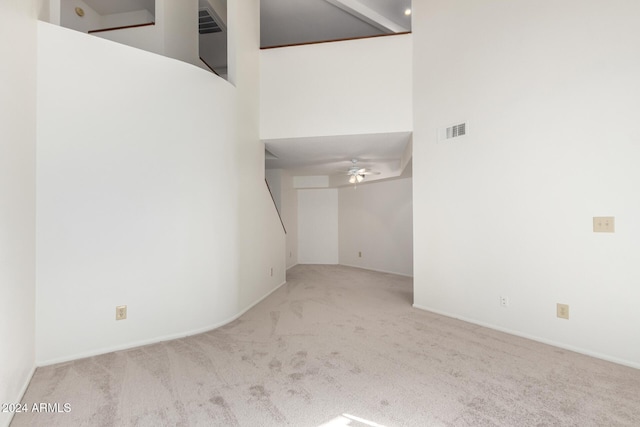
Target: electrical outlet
604,224
562,311
504,301
121,312
359,254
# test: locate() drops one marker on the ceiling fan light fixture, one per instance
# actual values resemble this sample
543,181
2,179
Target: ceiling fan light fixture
357,174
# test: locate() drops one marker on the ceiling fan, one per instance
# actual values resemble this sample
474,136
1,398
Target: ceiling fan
357,174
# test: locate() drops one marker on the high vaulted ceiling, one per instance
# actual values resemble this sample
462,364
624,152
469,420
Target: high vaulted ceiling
285,22
331,155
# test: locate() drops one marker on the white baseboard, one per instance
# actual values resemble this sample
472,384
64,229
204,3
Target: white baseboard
317,263
265,296
21,393
379,271
155,340
289,268
534,338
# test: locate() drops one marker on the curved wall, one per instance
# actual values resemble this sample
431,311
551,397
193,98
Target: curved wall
136,197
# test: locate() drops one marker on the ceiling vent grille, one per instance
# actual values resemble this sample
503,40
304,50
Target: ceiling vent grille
454,131
207,23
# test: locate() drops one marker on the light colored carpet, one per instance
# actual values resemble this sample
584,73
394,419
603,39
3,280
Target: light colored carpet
339,346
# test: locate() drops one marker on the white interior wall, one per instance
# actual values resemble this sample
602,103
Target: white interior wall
44,9
127,18
54,12
136,199
285,197
261,239
147,38
289,203
180,29
550,90
339,88
92,20
318,226
213,49
311,181
18,46
274,179
376,221
174,34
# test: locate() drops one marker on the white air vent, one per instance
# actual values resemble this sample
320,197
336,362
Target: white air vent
457,130
453,131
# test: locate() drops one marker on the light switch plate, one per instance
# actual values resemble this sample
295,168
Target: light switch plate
604,224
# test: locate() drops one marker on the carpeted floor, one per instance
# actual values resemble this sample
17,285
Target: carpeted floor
339,346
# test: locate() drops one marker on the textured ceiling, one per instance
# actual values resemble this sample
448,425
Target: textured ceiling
332,155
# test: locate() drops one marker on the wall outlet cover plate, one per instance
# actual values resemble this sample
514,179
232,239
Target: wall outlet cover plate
562,311
121,312
604,224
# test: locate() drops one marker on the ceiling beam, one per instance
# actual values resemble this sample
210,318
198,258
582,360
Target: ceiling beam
368,15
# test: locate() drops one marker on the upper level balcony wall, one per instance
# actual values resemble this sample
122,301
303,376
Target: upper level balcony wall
174,32
349,87
89,19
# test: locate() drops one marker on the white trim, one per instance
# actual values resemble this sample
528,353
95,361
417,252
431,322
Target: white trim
289,268
535,338
317,263
23,390
254,304
156,339
379,271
